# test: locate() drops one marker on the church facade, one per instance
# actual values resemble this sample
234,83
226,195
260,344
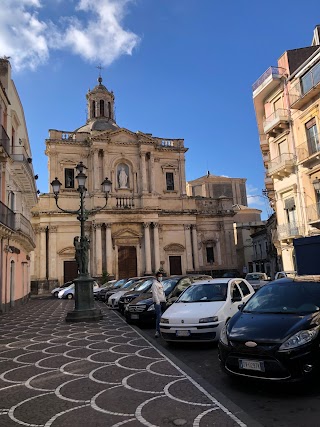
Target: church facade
150,221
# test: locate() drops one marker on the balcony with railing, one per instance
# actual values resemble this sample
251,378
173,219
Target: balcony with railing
282,166
268,182
4,142
306,88
264,145
267,81
125,202
24,225
277,122
313,215
289,231
7,216
308,153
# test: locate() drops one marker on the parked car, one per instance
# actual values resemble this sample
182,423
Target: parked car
103,286
283,274
203,308
141,309
275,335
101,296
69,291
142,286
125,285
114,299
257,280
56,291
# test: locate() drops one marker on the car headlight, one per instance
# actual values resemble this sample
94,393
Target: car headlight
163,320
224,336
208,319
151,308
300,338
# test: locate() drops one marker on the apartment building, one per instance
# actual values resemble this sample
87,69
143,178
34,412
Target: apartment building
286,102
18,194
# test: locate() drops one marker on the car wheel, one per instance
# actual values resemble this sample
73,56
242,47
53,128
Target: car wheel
69,296
55,294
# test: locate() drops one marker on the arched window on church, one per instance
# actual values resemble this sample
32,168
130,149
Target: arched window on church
93,109
101,108
109,110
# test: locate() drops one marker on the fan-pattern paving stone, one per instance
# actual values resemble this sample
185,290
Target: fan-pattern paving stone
54,374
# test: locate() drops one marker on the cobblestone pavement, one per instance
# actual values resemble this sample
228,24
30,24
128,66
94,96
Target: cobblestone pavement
55,374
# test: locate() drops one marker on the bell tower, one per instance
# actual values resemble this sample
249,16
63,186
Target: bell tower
100,103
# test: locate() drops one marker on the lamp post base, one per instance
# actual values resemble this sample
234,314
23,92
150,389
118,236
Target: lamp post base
85,310
93,315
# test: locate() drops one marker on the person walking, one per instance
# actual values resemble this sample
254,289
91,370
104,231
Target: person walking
159,299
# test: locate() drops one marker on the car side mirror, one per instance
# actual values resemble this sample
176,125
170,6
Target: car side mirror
240,307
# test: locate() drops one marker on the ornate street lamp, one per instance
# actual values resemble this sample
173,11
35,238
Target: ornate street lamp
84,303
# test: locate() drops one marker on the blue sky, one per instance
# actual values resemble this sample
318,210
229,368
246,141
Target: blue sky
178,68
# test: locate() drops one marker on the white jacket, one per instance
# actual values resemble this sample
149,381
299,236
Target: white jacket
158,294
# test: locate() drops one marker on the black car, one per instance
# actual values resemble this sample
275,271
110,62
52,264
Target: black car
141,309
141,287
102,293
275,335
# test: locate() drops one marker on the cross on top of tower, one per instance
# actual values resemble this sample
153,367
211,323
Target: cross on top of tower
99,68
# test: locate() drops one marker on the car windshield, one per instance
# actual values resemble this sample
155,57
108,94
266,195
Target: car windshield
205,293
290,297
168,285
119,283
143,285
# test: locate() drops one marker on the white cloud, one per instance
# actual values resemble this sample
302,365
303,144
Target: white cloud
254,198
93,31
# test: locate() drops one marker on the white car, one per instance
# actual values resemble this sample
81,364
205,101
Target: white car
56,291
69,291
203,309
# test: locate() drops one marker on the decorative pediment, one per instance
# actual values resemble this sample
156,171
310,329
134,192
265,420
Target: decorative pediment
174,247
69,251
126,237
127,232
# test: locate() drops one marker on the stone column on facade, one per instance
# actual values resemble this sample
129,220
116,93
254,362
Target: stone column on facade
43,253
109,249
156,244
218,249
143,172
98,247
147,247
53,267
182,176
195,247
188,247
152,174
95,170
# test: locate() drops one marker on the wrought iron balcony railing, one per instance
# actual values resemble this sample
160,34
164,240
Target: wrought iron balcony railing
7,216
4,140
304,86
24,225
289,230
309,147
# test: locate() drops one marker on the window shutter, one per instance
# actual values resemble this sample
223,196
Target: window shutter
289,204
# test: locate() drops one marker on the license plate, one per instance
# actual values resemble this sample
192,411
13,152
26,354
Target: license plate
182,333
253,365
134,316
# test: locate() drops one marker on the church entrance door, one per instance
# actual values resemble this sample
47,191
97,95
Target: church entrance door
127,261
70,271
175,265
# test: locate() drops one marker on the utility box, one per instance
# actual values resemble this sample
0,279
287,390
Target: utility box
307,250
